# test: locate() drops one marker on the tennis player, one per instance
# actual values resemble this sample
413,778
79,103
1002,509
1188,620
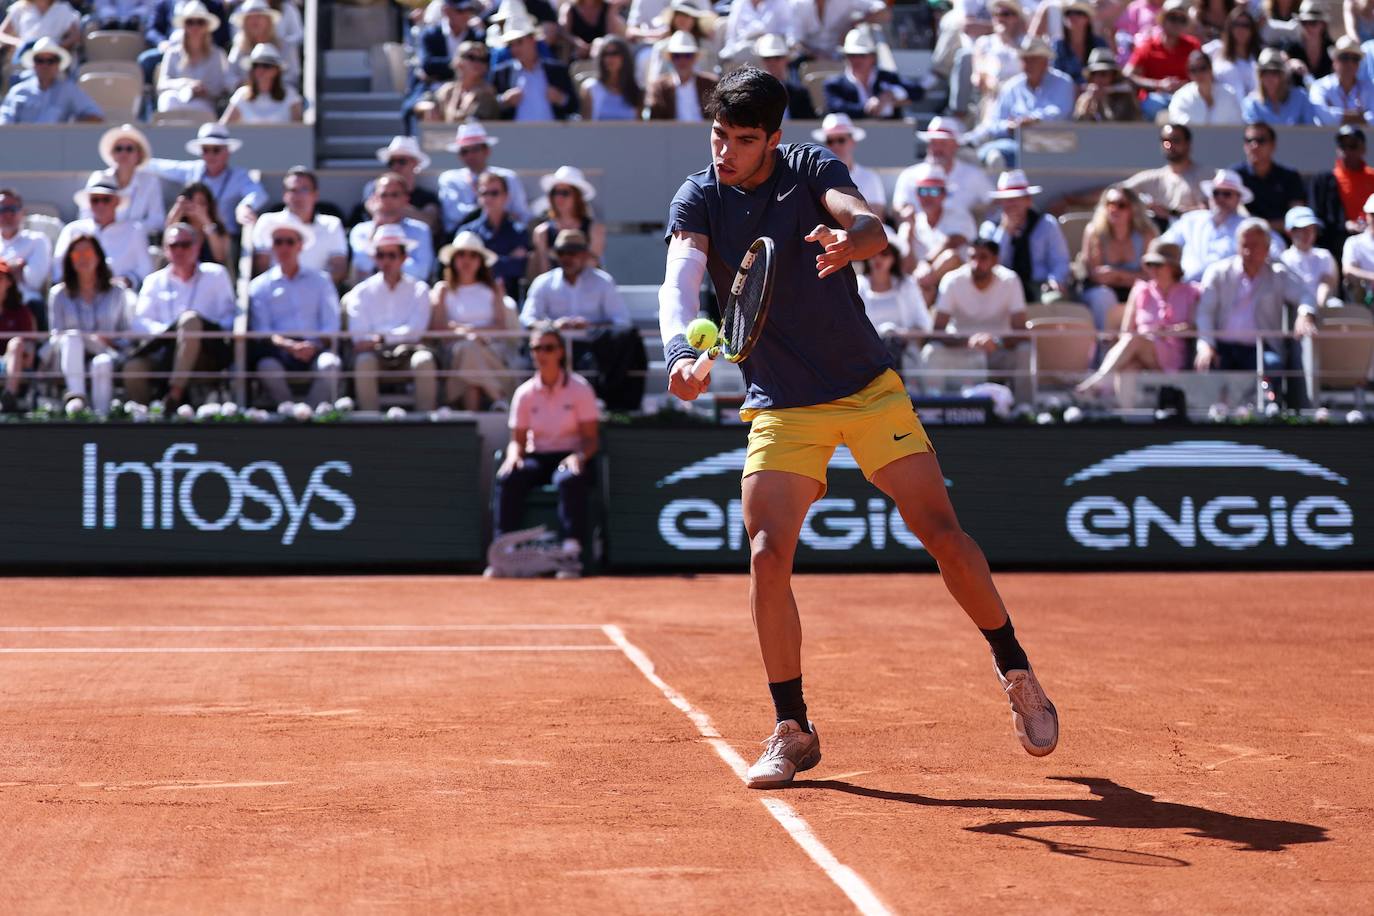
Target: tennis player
818,377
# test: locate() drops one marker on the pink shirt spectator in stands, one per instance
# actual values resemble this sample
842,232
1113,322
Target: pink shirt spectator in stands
1154,312
552,413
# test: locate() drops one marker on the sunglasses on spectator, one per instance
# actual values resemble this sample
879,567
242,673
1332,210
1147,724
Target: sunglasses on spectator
264,65
285,241
683,55
930,192
1256,141
469,150
475,58
545,348
1222,192
208,150
182,244
838,141
101,199
490,192
388,254
125,148
46,61
1117,204
386,194
399,162
9,209
1077,13
1005,14
199,23
466,254
561,192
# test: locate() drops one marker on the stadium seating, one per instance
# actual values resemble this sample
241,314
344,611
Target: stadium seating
1345,349
111,45
117,94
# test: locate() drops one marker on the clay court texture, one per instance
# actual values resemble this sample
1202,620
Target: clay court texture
451,744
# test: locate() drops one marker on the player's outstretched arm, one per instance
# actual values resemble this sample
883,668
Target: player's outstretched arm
860,237
678,301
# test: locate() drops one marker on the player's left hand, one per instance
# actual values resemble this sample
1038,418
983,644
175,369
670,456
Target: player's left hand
839,251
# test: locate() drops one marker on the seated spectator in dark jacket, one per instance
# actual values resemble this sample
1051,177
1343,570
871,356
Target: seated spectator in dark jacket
437,49
771,50
528,88
49,96
1338,196
501,232
862,90
682,94
1106,97
1276,188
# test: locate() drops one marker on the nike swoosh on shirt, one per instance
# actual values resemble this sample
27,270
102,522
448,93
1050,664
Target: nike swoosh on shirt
783,195
897,438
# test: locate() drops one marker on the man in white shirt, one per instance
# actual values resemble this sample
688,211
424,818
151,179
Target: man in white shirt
1204,100
984,303
186,298
968,186
1208,236
1316,267
125,243
937,235
821,30
326,248
388,314
458,187
28,253
388,205
839,135
1357,258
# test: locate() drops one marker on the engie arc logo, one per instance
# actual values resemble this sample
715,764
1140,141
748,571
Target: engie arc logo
711,516
1204,494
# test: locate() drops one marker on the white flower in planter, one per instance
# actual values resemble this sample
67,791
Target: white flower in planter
75,406
344,405
1044,418
396,413
228,409
186,412
207,411
1354,416
324,407
1321,415
1073,414
1272,410
1218,412
302,412
286,408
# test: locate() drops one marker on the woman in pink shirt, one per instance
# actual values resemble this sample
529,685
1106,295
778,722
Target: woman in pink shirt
1161,302
554,434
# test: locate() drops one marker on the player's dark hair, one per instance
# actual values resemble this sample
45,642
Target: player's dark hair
988,245
749,97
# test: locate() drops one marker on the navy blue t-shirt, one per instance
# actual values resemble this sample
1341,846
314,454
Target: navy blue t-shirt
818,344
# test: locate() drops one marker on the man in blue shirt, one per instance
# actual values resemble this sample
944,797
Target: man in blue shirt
819,376
1038,93
574,295
528,87
1030,242
298,306
237,196
47,97
388,205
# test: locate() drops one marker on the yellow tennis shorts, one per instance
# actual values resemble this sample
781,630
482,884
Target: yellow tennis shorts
878,424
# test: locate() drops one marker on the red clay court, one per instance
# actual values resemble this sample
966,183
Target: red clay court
451,744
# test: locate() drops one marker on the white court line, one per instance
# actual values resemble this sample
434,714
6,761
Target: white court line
305,628
183,650
848,880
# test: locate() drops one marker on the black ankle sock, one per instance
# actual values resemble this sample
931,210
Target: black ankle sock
1006,651
788,702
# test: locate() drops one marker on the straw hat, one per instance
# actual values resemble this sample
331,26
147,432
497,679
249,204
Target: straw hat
1162,252
569,175
838,125
253,7
467,240
97,184
1348,46
1272,59
570,240
46,46
683,43
1227,180
213,134
288,221
941,128
1102,60
196,10
263,53
706,19
518,26
859,41
471,133
1012,184
1174,6
1080,6
1311,12
1037,47
390,234
406,147
932,177
772,45
123,132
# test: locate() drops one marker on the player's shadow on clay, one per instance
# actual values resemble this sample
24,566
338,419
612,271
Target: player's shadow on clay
1114,806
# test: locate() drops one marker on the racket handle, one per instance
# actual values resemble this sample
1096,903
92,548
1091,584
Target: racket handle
702,367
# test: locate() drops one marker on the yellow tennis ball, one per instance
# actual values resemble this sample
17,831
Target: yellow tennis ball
702,333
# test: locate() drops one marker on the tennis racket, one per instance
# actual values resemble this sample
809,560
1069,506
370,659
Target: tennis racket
746,308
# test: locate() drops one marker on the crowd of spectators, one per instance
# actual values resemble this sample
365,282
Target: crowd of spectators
425,289
237,61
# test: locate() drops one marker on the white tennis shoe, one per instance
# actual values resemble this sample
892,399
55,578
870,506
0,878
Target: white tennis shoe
787,752
1032,714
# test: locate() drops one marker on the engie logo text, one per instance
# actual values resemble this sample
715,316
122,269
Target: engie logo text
175,491
1231,495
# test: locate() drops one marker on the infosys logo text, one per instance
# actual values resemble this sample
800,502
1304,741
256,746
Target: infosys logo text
1230,521
166,491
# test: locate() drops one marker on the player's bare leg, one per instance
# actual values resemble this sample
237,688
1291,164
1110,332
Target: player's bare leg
917,485
775,505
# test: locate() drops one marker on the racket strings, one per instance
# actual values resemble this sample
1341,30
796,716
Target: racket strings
740,317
